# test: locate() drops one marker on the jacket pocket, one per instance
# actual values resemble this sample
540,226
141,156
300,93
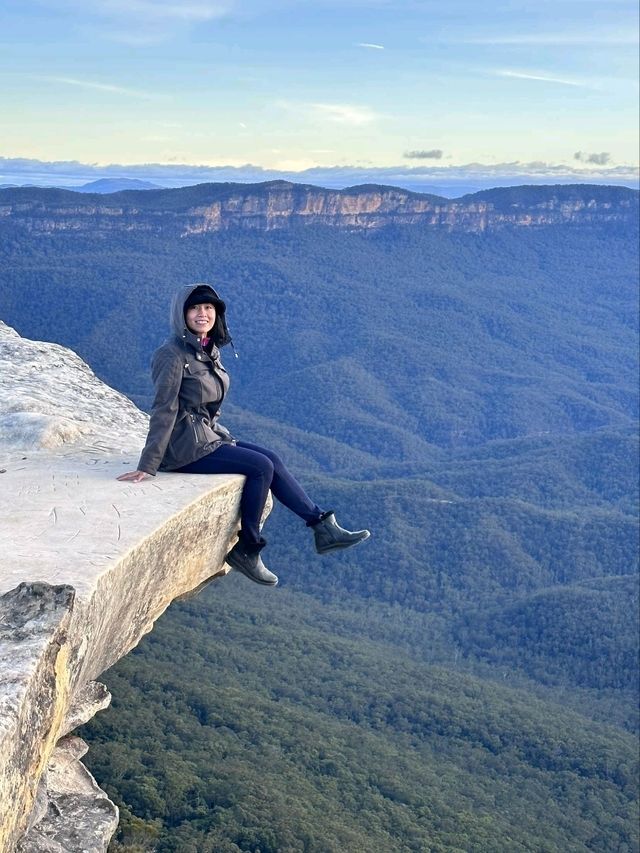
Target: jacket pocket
186,443
202,431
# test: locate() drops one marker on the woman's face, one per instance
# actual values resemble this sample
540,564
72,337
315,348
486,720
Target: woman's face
201,318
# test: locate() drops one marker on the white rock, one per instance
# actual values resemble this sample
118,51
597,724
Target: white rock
49,397
87,563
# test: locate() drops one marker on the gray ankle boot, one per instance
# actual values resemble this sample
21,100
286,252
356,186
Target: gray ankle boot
329,536
246,558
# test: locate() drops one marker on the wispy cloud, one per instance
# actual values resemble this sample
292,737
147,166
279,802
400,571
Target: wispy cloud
154,10
431,154
345,113
541,77
141,23
175,11
99,87
570,39
598,159
348,114
370,46
139,37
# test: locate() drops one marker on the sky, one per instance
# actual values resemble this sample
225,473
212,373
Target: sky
352,91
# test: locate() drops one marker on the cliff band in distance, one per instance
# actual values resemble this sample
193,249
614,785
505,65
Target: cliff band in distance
279,204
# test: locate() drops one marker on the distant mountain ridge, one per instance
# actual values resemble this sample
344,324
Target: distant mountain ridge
114,185
279,204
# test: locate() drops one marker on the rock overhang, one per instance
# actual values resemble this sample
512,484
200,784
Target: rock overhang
87,562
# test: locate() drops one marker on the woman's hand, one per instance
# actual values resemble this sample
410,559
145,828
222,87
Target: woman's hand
134,476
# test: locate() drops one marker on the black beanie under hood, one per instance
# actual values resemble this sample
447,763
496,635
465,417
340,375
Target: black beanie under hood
204,295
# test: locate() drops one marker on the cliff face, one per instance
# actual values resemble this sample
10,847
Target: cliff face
218,207
87,564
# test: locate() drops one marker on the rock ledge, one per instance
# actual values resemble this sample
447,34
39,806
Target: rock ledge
87,564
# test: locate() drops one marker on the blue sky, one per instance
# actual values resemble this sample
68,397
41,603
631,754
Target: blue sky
356,87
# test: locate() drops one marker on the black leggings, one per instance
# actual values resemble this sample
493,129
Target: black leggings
263,470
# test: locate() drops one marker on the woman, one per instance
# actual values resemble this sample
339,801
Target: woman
185,434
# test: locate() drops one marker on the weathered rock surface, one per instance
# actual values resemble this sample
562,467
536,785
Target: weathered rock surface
75,813
50,397
87,564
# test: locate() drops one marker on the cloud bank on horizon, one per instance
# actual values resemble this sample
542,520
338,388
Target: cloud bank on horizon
446,180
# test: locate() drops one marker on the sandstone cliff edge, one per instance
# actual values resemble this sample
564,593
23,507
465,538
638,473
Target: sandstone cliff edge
208,208
87,564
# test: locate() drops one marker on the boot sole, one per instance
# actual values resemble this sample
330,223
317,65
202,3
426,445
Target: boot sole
342,547
239,568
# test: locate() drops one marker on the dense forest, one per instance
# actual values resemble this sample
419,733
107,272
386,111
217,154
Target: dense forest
240,724
467,680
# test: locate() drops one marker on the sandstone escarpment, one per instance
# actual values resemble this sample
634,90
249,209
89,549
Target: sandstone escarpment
280,204
87,564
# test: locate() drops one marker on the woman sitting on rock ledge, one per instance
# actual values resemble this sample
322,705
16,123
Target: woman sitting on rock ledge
186,436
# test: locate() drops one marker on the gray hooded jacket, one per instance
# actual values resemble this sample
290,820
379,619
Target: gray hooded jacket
190,386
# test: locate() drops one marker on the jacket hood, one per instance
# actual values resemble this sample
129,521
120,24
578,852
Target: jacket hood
219,333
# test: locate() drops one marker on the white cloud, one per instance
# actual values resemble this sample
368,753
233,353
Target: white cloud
138,37
140,23
348,114
99,87
177,11
370,46
541,77
295,165
571,39
153,10
344,113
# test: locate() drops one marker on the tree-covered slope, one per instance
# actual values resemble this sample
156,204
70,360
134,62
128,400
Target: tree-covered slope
432,549
390,342
529,195
584,634
237,727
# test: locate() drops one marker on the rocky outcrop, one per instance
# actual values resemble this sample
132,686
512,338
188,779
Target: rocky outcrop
87,564
280,204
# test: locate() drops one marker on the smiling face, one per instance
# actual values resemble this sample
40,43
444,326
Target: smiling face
200,319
